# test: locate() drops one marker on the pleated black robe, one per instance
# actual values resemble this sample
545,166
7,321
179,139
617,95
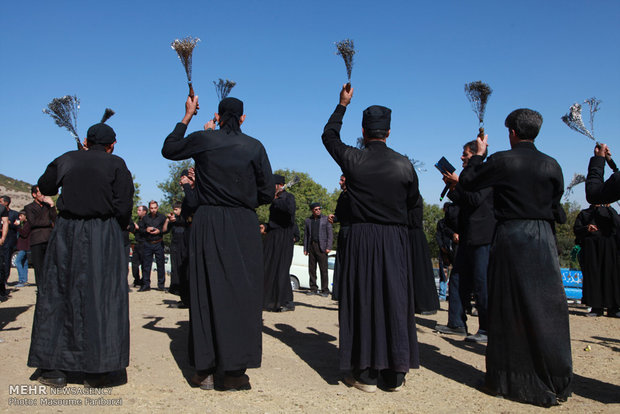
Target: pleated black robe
426,298
81,320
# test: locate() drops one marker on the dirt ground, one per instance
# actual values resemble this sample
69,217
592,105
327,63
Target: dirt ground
300,366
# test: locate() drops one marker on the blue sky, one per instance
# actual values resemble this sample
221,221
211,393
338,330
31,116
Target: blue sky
413,57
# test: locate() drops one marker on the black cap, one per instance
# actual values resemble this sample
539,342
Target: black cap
313,205
377,117
279,179
101,134
232,106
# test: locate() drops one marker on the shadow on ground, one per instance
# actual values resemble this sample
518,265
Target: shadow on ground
317,349
178,343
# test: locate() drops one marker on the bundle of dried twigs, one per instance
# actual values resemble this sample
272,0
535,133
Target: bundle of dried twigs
223,88
574,120
107,114
346,49
291,182
64,112
478,94
577,179
185,48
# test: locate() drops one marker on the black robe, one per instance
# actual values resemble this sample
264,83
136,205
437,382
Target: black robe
81,320
424,288
529,351
376,312
599,256
233,177
342,215
278,252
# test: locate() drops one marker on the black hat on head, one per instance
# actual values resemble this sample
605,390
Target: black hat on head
101,134
279,179
313,205
230,111
377,117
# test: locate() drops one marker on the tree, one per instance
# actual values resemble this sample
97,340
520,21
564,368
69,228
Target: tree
307,191
565,236
173,192
431,215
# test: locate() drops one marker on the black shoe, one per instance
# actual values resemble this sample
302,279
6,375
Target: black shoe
324,294
230,383
595,312
137,282
144,288
162,289
312,292
179,305
286,309
53,378
445,329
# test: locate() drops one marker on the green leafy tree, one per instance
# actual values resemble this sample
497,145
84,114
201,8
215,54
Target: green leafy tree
173,192
307,191
565,236
431,215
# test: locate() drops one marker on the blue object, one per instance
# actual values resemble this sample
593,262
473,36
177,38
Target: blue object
573,283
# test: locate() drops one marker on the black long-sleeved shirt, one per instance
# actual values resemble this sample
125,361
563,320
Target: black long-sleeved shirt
94,184
476,216
382,184
282,211
527,184
232,170
149,220
41,218
599,191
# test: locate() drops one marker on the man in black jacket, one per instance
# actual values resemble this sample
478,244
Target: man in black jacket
376,311
476,226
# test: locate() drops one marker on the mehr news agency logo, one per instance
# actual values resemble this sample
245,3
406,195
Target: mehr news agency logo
42,395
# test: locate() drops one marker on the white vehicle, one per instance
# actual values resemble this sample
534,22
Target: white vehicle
300,278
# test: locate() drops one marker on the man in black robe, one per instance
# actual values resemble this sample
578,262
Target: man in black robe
529,352
342,215
378,339
599,191
278,250
233,177
151,228
176,225
597,230
476,227
81,320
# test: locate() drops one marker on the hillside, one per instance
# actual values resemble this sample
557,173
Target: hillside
18,190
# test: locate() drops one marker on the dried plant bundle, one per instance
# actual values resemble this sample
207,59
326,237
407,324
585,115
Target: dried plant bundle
478,94
107,114
291,182
577,179
346,49
64,112
574,121
223,88
185,48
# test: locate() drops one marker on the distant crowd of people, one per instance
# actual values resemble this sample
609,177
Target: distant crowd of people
497,234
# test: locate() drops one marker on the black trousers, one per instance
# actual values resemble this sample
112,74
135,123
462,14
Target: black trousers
136,261
37,254
315,255
148,251
6,250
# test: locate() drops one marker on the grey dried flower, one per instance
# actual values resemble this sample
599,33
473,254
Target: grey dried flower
593,104
223,88
292,182
346,49
478,94
64,112
574,121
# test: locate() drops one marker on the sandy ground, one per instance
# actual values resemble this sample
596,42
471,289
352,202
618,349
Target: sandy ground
299,371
